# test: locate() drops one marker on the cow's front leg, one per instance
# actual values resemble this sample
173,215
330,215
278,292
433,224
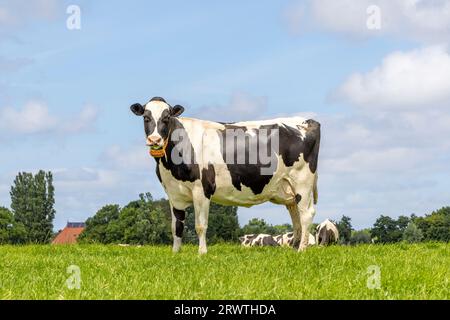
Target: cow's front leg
201,208
178,218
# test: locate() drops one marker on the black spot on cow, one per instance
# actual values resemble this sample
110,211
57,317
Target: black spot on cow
149,123
179,214
163,124
249,172
209,180
292,145
158,174
298,198
269,241
179,227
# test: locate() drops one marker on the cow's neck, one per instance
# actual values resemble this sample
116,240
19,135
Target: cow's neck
174,124
184,171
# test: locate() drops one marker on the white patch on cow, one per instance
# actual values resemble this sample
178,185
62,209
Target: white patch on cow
287,239
179,192
259,240
311,240
176,243
156,108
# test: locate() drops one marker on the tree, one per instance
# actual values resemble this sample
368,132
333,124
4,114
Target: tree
223,225
142,222
6,222
386,230
283,228
32,203
359,237
344,227
10,230
383,229
256,226
97,226
139,222
435,226
412,233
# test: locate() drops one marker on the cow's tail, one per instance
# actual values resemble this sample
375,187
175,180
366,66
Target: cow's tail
315,192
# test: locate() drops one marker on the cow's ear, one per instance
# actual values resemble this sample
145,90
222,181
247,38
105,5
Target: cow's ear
137,109
176,110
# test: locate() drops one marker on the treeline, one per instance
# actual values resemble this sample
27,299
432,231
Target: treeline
432,227
148,221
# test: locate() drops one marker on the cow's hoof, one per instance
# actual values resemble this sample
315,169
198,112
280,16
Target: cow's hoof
202,251
302,248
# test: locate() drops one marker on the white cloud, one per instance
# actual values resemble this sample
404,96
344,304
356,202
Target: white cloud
83,121
35,118
242,106
132,158
382,161
421,20
405,80
19,12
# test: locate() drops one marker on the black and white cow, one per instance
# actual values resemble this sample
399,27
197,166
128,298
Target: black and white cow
198,166
258,240
287,239
326,233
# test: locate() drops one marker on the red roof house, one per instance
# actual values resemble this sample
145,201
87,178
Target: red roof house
70,233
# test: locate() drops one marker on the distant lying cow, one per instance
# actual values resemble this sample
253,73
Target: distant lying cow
326,233
258,240
287,239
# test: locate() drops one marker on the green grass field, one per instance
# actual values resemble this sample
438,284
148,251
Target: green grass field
419,271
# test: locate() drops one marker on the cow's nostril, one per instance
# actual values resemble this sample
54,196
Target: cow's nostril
154,139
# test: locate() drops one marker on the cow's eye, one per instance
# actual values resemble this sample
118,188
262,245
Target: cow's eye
146,119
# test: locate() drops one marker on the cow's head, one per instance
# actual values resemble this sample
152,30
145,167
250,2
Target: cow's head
158,118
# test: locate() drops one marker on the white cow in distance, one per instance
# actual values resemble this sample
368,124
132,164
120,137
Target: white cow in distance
326,233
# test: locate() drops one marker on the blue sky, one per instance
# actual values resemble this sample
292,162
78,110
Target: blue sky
381,95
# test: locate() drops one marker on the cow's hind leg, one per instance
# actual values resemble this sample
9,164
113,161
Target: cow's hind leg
201,208
295,217
306,211
178,218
